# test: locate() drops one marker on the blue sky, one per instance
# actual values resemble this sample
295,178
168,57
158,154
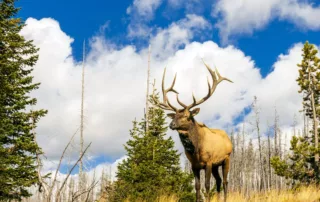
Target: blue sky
82,20
246,39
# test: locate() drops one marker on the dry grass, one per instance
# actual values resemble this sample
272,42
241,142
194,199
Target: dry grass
163,199
306,194
167,199
309,194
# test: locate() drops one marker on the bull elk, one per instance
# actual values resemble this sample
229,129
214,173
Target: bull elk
205,148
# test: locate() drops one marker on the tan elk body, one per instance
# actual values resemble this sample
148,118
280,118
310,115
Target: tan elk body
205,148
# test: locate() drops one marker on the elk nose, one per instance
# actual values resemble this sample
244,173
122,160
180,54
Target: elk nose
172,125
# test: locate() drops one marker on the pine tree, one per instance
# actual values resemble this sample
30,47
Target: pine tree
298,164
17,141
152,167
309,77
302,165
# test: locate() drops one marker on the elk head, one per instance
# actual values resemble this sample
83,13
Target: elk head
183,118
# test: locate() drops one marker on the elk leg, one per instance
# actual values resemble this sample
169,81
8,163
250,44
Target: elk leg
207,183
196,173
225,171
215,173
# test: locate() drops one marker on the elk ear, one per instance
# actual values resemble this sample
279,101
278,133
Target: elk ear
195,112
171,115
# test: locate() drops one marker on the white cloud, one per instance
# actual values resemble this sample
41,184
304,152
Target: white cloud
141,12
144,8
190,6
302,14
115,84
243,17
167,41
139,30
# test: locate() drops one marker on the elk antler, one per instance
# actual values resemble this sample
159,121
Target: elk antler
166,104
217,78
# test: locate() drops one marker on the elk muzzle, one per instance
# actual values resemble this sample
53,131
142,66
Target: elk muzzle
172,126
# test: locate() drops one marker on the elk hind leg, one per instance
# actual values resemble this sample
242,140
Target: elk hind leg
225,171
215,173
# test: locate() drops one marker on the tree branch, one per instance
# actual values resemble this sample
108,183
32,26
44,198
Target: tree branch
61,158
76,163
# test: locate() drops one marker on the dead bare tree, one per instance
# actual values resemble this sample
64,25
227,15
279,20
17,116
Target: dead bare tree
81,184
243,178
257,126
147,93
52,192
87,191
269,158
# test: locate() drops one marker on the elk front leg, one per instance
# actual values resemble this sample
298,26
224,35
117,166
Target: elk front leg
196,173
225,171
215,173
207,183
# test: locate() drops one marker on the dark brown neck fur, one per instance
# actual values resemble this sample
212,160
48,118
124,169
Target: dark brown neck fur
190,138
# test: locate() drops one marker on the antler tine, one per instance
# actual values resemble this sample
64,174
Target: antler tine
194,99
156,100
217,78
180,103
166,104
222,78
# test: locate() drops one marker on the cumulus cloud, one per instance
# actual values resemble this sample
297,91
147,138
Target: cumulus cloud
141,12
167,41
243,17
144,8
115,84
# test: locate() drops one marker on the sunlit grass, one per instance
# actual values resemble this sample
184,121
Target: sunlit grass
305,194
163,199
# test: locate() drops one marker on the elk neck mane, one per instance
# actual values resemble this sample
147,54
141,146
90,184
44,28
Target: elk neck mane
190,139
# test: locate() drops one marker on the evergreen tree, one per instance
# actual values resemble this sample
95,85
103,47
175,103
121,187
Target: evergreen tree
298,164
152,167
17,142
302,165
309,82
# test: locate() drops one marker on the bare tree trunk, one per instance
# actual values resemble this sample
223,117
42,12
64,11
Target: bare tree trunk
232,183
304,124
257,124
147,94
269,160
276,131
276,148
81,122
236,163
280,143
315,130
71,189
243,157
